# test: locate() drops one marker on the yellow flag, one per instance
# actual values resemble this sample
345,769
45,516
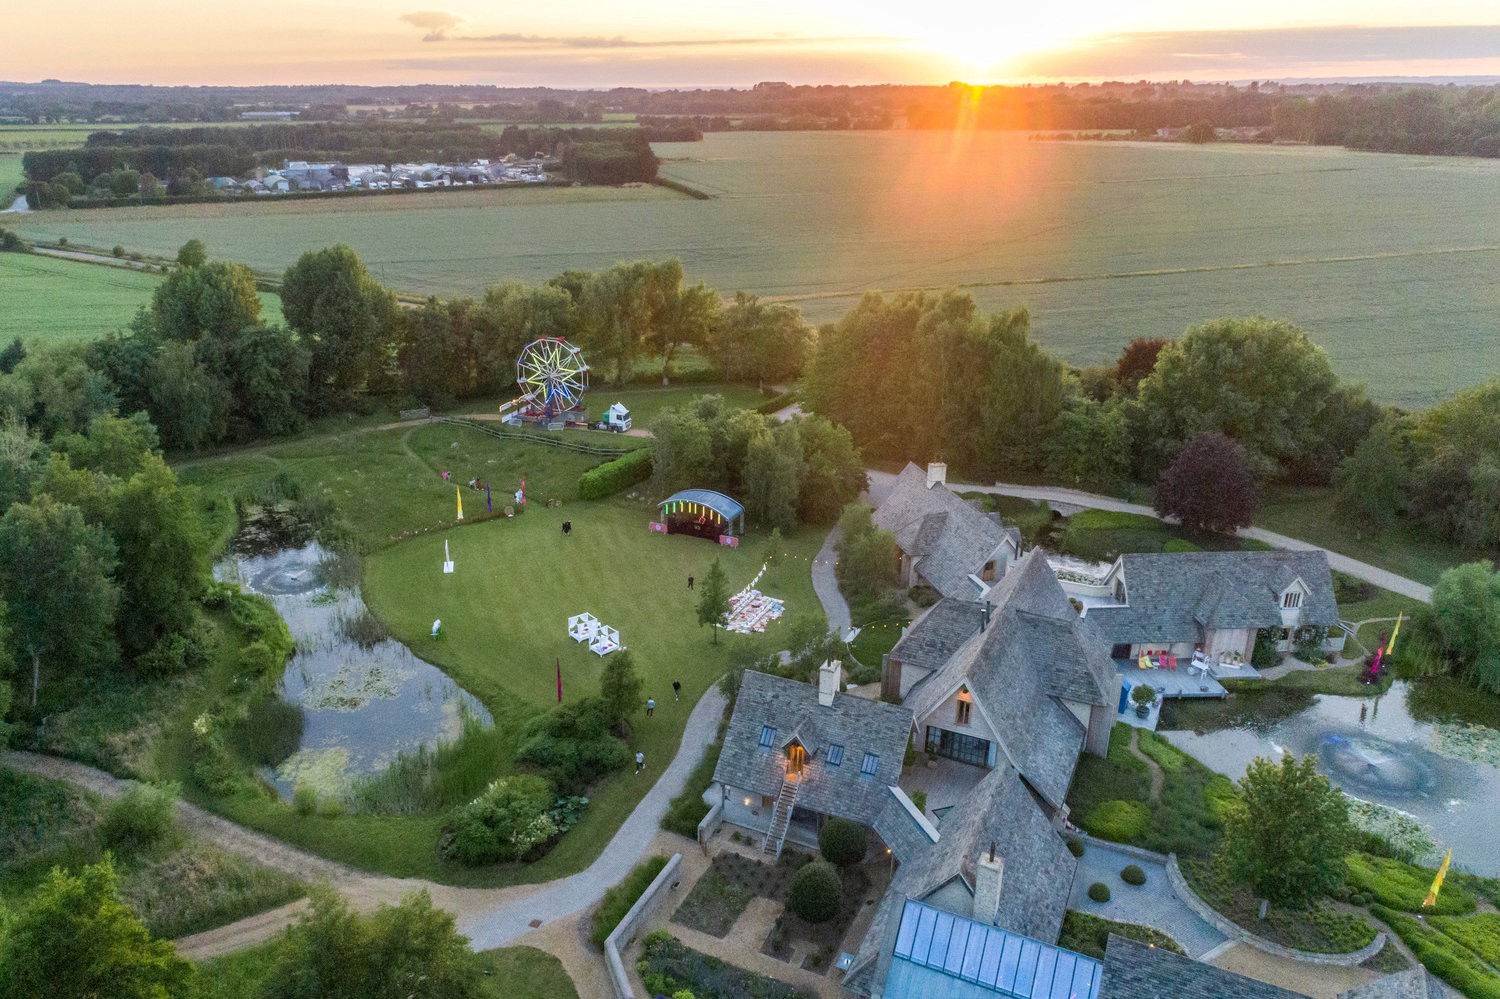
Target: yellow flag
459,495
1394,632
1437,883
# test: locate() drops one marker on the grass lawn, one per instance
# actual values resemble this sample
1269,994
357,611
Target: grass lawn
47,300
645,403
11,176
1307,513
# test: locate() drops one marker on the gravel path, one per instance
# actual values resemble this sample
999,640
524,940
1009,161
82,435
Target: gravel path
826,585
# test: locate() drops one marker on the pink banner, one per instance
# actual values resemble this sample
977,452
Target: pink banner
658,528
730,540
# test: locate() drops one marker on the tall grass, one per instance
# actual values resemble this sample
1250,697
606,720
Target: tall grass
432,780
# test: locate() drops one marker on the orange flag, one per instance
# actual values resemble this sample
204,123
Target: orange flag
1437,883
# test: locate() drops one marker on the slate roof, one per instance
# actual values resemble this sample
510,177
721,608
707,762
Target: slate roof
1135,971
858,724
1035,650
1174,596
947,538
1034,887
1413,983
935,636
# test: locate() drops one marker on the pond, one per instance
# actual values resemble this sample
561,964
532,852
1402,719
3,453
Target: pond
364,697
1445,775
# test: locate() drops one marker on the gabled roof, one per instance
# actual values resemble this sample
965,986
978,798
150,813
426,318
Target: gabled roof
947,537
1413,983
1034,651
935,636
858,724
1137,971
1176,596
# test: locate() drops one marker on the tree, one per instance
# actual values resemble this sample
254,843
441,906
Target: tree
12,356
407,951
269,384
760,342
187,402
1089,447
192,254
148,185
816,892
512,315
56,578
504,823
1200,132
772,475
215,301
682,452
7,695
435,364
1208,486
1465,622
619,687
1288,836
867,555
345,318
832,473
1137,360
1455,485
1260,381
113,445
1371,483
75,936
713,598
842,842
616,316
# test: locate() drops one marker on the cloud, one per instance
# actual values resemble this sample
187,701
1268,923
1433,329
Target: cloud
435,21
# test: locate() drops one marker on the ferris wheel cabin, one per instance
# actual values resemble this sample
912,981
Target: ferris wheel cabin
702,513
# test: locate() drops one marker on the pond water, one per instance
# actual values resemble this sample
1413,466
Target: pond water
1446,776
364,697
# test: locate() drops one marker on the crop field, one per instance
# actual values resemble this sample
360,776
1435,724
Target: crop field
1387,260
43,299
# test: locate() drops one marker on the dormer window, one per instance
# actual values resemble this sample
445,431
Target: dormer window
868,767
1291,599
767,736
835,755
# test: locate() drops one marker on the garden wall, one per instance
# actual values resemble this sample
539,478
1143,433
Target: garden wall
710,824
625,931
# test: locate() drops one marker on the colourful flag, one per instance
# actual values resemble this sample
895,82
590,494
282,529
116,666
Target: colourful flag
458,494
1394,632
523,490
488,506
1437,883
559,680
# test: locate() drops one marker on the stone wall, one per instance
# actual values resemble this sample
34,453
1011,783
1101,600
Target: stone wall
619,978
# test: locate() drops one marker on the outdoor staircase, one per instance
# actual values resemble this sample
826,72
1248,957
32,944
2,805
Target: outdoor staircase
781,818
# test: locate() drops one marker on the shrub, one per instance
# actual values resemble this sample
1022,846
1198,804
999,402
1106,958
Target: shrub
843,842
615,476
1075,846
667,967
141,817
1443,956
304,799
1131,874
118,251
1083,933
618,900
1404,886
502,824
815,891
1119,821
179,652
1099,892
919,798
688,808
571,744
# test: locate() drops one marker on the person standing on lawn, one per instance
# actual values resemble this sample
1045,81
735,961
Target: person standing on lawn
650,706
640,762
676,690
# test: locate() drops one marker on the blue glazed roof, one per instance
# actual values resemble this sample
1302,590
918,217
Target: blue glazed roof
939,955
725,507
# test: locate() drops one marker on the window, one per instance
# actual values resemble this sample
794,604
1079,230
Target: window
1292,599
867,768
835,755
965,706
957,746
767,736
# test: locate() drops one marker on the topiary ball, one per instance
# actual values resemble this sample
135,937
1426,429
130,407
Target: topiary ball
1133,875
1099,892
1075,846
815,892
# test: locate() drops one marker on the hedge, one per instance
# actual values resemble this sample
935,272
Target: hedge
688,808
1118,821
1404,886
615,476
776,403
1442,955
618,900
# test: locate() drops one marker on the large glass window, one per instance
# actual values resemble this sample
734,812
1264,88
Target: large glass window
957,746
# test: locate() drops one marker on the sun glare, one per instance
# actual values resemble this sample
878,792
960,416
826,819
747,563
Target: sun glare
976,40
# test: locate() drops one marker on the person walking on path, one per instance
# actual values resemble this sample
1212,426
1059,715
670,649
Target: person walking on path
650,706
640,762
676,690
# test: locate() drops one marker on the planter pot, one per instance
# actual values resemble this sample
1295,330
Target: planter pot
1143,711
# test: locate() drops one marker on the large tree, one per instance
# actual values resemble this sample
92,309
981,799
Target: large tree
713,598
759,341
348,322
436,363
56,577
773,472
512,314
1464,622
270,383
217,301
832,472
1208,486
189,404
1089,446
1288,836
619,687
1137,360
867,555
75,936
1260,381
681,451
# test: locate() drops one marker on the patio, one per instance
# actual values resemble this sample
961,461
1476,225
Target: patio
945,782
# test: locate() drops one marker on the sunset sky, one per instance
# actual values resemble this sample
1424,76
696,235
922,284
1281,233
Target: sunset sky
664,43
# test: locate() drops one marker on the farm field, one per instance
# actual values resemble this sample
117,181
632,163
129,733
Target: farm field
44,299
1387,260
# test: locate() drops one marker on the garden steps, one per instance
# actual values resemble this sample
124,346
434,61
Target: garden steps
781,819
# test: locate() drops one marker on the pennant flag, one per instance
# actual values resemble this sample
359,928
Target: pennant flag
488,506
1394,632
559,680
523,490
1437,883
459,495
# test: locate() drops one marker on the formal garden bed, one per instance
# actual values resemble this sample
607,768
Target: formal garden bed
818,943
1322,928
667,966
726,888
1087,934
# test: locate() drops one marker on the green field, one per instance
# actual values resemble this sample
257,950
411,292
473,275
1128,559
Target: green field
47,299
1387,260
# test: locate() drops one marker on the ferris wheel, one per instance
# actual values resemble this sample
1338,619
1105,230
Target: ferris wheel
552,375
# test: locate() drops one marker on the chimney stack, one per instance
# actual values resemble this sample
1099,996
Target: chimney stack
829,675
988,875
937,474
